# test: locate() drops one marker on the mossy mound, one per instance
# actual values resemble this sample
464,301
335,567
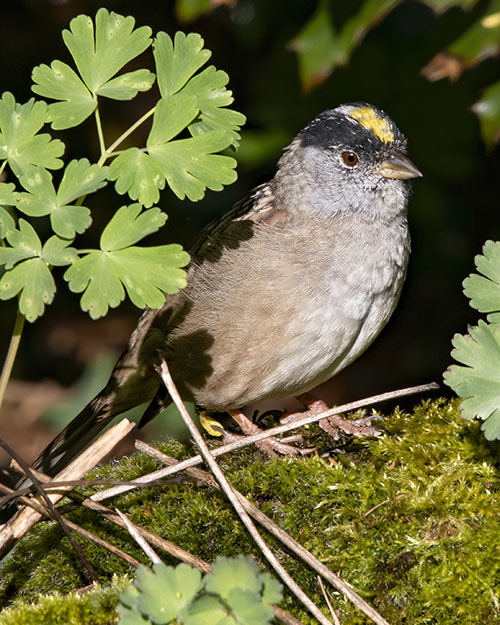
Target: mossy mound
409,519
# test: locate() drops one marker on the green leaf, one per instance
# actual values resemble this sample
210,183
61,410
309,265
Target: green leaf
56,252
164,591
6,222
127,608
172,114
190,165
481,40
487,108
248,608
19,142
146,273
177,61
129,225
188,10
60,82
115,44
484,290
33,280
271,592
24,244
80,178
229,573
320,48
209,89
206,610
478,381
7,194
139,175
126,86
98,58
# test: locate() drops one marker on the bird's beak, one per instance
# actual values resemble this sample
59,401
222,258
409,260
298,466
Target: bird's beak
398,166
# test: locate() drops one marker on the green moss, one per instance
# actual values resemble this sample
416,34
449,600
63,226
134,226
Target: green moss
96,607
409,519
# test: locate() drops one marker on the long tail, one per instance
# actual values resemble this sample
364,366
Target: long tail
75,437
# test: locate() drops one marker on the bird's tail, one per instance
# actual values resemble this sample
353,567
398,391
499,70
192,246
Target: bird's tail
75,437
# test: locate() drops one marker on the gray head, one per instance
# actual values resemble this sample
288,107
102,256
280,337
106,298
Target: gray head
351,158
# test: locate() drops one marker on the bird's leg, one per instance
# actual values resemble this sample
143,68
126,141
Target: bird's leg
334,425
271,446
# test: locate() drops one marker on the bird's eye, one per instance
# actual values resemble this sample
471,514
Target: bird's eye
350,158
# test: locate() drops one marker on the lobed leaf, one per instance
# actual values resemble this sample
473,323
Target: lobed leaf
139,175
100,56
190,165
19,142
33,280
126,86
147,273
6,222
484,290
207,610
487,108
177,61
478,381
60,82
209,89
248,608
229,573
80,178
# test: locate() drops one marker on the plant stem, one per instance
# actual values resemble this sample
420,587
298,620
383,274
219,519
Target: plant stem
2,166
107,153
100,133
11,354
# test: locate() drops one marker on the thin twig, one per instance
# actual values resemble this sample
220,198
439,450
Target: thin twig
91,574
24,519
280,429
279,533
233,498
139,539
42,510
328,602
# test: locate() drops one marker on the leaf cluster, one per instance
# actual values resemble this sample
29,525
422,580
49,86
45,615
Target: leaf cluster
476,380
233,593
191,125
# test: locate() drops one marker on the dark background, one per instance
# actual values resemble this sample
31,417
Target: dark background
454,208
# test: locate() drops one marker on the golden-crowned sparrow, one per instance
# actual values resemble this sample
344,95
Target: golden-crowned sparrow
284,290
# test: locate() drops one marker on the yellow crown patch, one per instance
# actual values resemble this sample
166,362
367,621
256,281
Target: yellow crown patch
368,118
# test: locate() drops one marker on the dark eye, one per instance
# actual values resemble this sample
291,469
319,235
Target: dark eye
350,158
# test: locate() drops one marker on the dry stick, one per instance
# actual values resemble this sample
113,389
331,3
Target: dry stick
161,543
248,440
24,519
32,503
328,602
136,535
280,534
87,567
231,495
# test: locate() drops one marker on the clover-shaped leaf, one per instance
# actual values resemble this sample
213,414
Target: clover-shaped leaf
484,290
28,272
145,272
80,178
98,54
19,142
478,381
190,165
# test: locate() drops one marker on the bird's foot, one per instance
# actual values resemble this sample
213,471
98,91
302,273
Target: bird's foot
334,425
272,446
